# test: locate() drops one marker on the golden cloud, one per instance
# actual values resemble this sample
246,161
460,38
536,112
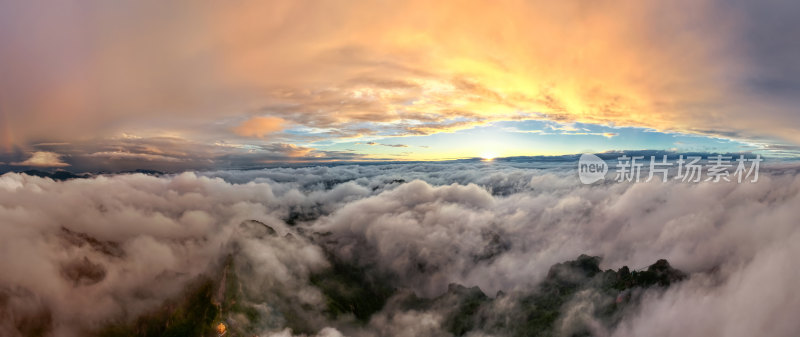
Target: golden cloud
43,159
399,68
260,127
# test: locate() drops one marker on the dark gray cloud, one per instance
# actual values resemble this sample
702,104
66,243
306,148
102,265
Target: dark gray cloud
168,154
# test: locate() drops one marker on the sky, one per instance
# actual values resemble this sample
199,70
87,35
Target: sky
98,85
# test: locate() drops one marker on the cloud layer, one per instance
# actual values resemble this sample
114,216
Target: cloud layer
86,252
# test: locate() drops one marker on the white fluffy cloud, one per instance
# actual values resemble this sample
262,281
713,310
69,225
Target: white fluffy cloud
82,252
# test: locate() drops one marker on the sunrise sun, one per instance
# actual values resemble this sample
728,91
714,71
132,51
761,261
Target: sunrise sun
488,156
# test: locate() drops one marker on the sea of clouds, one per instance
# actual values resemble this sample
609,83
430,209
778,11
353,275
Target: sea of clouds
80,253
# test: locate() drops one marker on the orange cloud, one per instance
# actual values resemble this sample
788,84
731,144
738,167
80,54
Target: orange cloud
295,151
404,67
260,127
